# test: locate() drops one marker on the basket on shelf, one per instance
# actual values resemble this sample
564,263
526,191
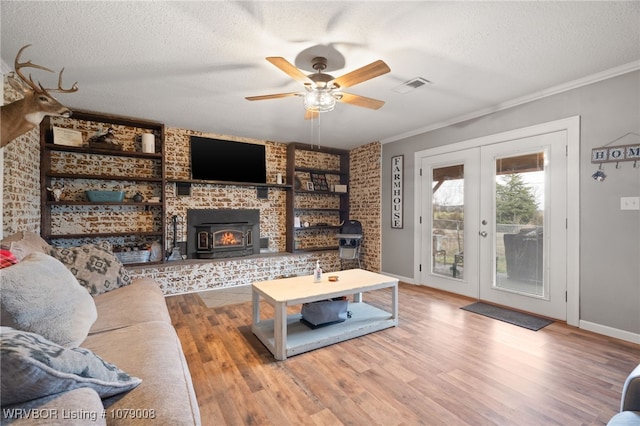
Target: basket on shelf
105,196
134,256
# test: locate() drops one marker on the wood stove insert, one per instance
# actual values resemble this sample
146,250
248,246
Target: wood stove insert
222,233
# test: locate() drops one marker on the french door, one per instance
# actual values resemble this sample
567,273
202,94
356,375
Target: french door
494,223
450,228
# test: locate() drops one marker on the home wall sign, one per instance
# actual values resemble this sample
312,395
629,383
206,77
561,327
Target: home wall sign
397,175
615,154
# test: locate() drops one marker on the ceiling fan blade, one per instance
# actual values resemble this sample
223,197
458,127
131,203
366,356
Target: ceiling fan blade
361,101
365,73
274,96
311,114
290,69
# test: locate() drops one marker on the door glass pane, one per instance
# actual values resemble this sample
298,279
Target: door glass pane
447,221
519,223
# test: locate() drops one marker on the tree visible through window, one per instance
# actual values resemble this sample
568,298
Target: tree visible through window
515,201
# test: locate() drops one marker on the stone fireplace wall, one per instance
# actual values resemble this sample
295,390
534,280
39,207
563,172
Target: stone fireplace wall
365,200
21,210
272,209
21,178
193,276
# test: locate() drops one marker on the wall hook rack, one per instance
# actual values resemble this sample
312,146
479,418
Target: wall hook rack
617,154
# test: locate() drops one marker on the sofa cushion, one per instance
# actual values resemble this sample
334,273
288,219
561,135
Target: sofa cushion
33,367
94,265
625,418
23,243
40,295
153,352
113,311
78,407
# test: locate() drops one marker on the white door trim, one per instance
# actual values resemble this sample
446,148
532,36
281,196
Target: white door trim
469,284
572,127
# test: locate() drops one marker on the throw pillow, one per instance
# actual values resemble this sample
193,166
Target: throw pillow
40,295
7,259
33,367
95,266
23,243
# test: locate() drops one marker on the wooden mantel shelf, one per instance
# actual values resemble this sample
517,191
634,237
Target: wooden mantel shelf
222,182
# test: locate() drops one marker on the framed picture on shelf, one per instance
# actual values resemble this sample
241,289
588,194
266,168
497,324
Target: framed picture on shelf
68,137
310,186
319,181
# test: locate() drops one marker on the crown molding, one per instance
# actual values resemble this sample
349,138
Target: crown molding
584,81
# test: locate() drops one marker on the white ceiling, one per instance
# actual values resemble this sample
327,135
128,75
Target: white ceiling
191,64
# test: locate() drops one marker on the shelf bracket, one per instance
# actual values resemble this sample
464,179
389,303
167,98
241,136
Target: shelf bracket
183,189
262,192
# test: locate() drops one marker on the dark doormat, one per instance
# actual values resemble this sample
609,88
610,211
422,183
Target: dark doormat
507,315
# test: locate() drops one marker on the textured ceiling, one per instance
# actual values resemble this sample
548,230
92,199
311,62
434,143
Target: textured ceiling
191,64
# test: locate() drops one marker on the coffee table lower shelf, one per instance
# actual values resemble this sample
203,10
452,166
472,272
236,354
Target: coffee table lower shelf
300,338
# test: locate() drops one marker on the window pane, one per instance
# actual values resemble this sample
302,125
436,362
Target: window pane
448,221
520,223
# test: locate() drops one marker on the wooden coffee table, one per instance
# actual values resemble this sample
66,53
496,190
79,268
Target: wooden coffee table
285,335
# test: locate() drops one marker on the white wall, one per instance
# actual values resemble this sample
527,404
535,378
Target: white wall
609,237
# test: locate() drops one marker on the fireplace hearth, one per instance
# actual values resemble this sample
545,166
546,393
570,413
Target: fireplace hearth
223,233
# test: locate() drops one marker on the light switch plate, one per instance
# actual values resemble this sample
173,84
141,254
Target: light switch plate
629,203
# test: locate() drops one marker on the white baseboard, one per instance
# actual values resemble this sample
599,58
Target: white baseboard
400,277
586,325
611,332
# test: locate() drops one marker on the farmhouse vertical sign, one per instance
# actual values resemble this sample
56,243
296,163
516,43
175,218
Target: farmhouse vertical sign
397,175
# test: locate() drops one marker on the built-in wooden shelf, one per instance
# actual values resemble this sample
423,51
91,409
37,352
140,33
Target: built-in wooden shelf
106,203
102,177
317,227
105,234
312,209
223,182
101,151
304,191
296,235
321,171
147,171
310,249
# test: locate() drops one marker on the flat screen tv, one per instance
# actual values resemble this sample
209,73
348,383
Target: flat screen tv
228,161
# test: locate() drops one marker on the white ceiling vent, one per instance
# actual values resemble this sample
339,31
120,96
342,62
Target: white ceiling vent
410,85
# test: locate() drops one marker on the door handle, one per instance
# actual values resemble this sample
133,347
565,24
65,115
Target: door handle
483,234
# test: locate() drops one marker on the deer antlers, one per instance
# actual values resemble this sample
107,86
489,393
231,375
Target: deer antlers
39,88
24,114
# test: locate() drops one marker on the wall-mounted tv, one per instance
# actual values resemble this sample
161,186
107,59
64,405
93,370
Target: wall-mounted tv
228,161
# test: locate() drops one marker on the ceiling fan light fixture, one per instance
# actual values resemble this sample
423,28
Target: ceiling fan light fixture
321,100
322,91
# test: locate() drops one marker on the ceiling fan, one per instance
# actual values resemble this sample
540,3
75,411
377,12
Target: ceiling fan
322,91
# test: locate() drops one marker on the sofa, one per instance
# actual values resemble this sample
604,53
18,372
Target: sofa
629,402
84,344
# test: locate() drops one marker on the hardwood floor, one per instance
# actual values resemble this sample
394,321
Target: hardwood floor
441,365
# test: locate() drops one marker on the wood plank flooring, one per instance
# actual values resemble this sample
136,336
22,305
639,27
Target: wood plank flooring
440,366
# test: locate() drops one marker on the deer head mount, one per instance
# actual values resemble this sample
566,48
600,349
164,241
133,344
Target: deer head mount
23,115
